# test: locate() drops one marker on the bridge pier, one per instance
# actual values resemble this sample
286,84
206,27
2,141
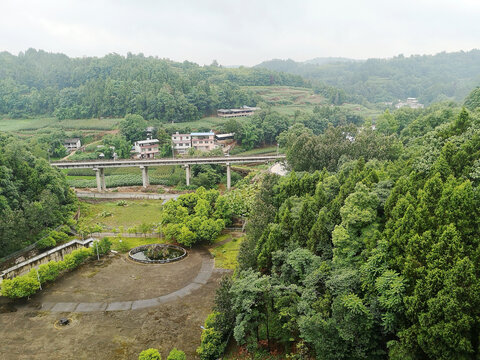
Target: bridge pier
145,179
229,177
187,174
100,175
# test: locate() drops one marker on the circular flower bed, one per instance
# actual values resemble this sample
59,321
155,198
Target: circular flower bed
157,253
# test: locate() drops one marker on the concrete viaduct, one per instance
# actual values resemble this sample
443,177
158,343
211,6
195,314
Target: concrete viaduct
99,165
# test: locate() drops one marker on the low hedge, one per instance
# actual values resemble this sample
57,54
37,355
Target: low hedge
28,284
176,354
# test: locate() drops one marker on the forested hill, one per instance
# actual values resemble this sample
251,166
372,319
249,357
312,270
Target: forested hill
370,249
430,78
40,83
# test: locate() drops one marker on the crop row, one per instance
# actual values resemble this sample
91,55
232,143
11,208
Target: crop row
119,180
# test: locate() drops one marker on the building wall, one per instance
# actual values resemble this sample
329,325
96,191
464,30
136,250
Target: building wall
204,143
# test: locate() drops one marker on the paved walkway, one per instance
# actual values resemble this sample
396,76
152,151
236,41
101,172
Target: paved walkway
202,278
124,195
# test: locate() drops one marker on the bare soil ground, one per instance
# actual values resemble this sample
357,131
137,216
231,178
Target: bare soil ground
30,333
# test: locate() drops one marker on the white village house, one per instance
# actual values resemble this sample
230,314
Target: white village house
72,144
146,149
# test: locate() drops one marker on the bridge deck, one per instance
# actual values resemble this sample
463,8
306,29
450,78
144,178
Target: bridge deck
162,162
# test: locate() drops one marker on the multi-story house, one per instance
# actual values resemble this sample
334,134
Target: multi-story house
146,149
181,142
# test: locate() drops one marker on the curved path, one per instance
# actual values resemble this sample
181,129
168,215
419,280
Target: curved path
202,278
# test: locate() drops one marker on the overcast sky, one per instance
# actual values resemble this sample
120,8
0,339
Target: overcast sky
242,32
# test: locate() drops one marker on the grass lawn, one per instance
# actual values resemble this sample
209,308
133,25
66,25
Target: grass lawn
110,215
226,255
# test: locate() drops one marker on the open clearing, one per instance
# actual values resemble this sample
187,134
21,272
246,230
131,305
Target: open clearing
110,215
30,333
226,254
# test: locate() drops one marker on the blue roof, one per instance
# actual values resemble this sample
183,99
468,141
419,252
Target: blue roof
202,134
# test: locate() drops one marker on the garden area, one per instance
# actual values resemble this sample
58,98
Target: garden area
113,334
115,282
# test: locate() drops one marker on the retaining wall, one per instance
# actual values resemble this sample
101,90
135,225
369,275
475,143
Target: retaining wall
55,254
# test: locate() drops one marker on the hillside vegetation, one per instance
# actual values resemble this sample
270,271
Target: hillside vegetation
40,83
430,78
368,250
34,197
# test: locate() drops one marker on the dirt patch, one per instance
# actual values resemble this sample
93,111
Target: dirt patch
120,279
30,333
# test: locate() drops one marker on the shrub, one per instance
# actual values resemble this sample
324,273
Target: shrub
46,242
104,246
106,214
122,246
50,270
19,287
76,257
26,285
212,345
121,203
150,354
176,354
59,236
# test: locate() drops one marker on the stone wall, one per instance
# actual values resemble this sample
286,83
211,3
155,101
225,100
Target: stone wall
55,254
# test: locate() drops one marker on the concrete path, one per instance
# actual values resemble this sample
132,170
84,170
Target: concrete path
124,195
202,278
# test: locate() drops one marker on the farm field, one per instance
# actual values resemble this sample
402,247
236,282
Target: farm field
287,95
25,124
287,100
284,99
30,125
203,124
131,176
266,150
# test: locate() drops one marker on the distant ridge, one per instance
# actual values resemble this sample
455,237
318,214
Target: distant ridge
329,60
430,78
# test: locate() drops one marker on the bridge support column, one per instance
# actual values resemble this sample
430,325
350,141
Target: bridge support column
100,175
229,177
187,174
145,179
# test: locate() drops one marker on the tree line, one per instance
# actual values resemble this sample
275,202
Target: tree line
430,78
363,253
39,83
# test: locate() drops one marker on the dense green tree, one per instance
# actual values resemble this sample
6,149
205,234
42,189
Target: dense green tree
39,83
133,127
34,197
472,101
373,257
428,77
